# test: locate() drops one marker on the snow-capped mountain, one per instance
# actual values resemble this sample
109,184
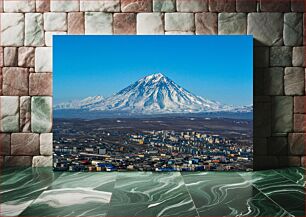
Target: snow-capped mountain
153,94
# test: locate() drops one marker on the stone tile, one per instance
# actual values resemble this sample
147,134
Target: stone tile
12,29
179,22
149,180
231,184
293,29
304,29
271,6
15,81
163,5
258,77
26,56
265,162
98,23
100,5
25,114
262,119
1,157
296,143
40,84
278,146
267,28
222,5
22,186
294,81
246,5
43,59
260,146
41,114
297,5
274,81
136,5
34,29
124,23
232,23
206,23
5,144
1,81
303,161
298,56
46,143
87,181
157,189
18,161
282,114
76,23
299,123
1,56
289,161
25,144
179,33
55,21
66,187
42,5
150,23
280,56
10,55
261,56
49,37
64,6
9,115
299,104
191,5
19,6
42,161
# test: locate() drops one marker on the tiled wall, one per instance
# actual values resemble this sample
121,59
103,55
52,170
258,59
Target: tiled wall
27,27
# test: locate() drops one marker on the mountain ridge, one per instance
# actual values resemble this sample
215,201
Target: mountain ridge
152,94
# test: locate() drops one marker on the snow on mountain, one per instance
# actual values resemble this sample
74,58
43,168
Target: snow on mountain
245,108
79,104
153,94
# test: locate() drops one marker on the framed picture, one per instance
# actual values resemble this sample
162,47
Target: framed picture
153,103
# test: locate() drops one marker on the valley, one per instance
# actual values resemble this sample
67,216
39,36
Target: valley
153,144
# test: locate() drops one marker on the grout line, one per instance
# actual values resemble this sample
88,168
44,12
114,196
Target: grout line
272,200
291,180
190,195
110,201
254,186
113,189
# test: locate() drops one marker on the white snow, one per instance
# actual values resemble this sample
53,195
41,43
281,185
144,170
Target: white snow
79,104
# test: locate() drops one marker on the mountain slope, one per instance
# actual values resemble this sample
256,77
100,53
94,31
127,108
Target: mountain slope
79,104
153,94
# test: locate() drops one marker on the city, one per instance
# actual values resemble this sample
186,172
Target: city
141,145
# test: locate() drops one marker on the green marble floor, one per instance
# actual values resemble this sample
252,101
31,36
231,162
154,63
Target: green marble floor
41,192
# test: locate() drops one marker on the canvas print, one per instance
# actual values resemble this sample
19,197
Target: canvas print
153,103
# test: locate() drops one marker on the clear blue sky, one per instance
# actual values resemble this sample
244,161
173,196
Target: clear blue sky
215,67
